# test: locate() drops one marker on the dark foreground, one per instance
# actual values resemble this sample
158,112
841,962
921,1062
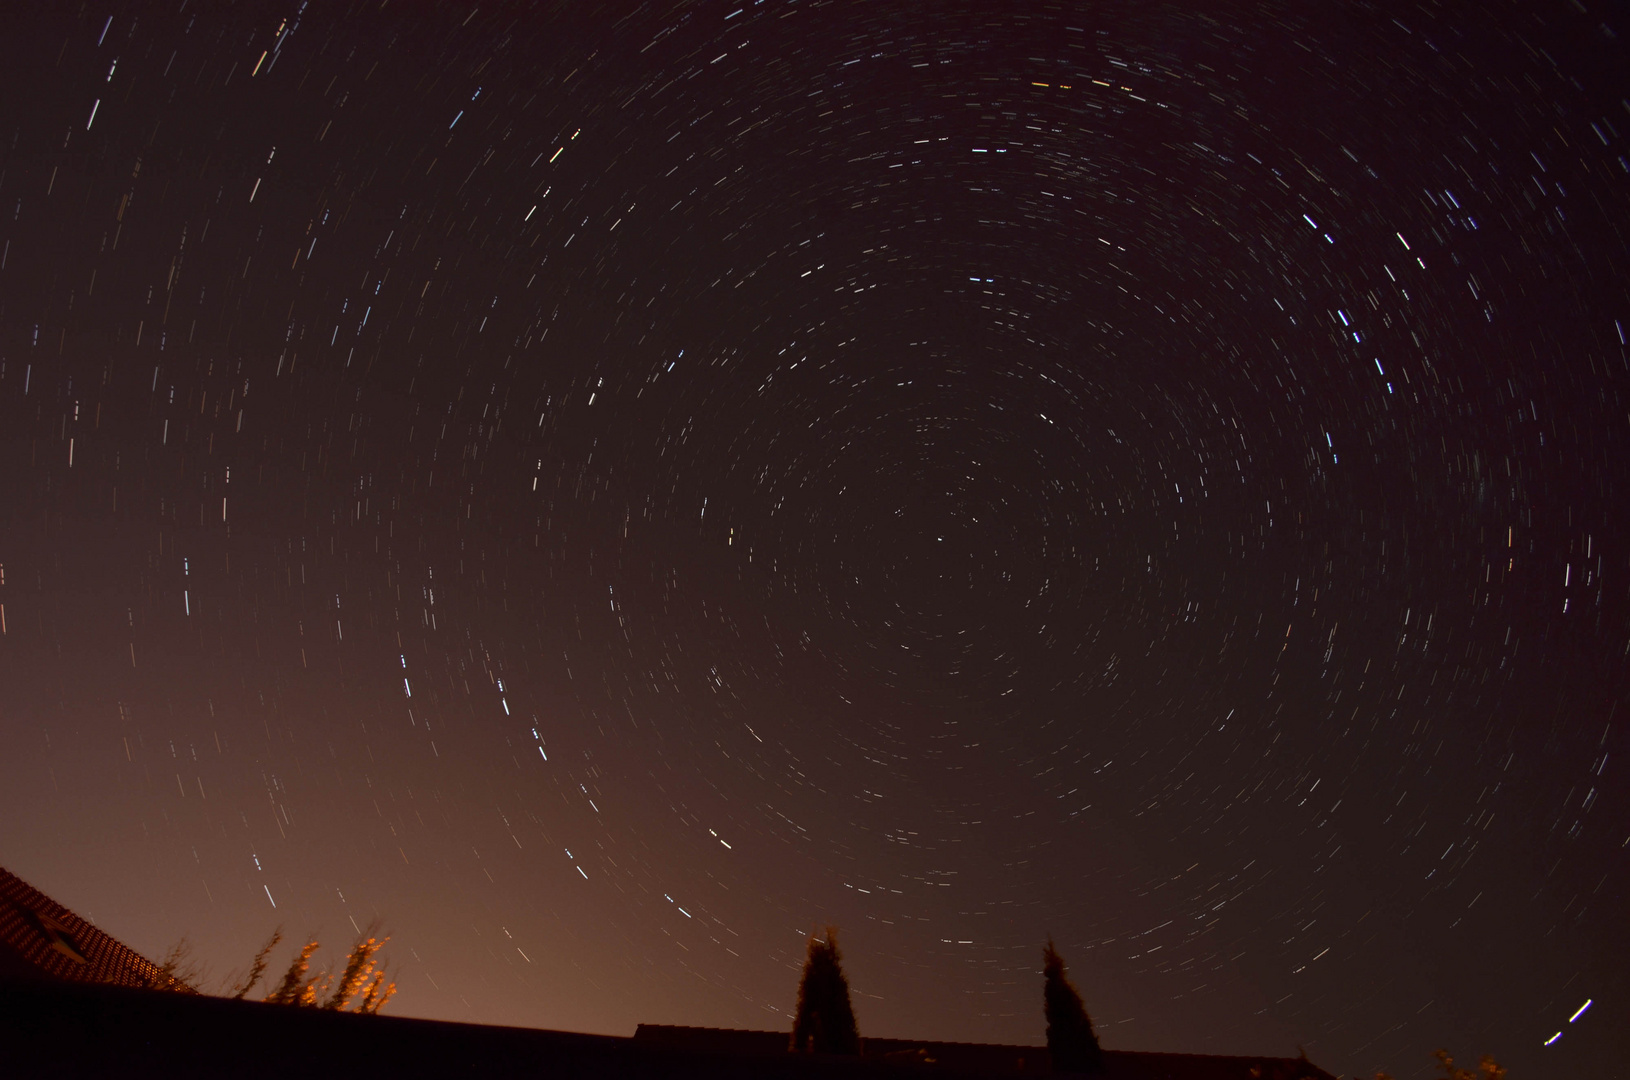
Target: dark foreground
64,1030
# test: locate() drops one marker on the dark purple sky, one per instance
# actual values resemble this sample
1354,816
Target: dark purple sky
611,491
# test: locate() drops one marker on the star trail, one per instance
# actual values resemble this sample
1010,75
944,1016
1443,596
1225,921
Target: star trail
610,490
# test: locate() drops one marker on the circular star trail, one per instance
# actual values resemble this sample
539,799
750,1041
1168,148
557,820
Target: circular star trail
610,491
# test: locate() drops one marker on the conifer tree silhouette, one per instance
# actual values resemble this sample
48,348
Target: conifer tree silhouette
1070,1038
826,1020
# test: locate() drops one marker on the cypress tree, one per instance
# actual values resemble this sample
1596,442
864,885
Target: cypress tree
826,1020
1070,1038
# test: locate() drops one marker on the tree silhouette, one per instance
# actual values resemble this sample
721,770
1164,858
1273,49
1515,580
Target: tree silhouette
257,967
361,973
826,1021
1487,1069
296,988
180,971
1070,1038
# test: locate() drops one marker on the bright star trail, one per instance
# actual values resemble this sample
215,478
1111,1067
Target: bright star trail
609,491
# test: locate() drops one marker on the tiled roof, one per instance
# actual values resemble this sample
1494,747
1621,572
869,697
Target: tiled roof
41,938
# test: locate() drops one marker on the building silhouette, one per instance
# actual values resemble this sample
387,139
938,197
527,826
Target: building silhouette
76,1003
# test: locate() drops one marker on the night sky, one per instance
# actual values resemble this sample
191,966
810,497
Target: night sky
612,491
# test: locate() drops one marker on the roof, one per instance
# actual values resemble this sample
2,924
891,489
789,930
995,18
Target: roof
992,1058
72,1030
39,938
61,977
